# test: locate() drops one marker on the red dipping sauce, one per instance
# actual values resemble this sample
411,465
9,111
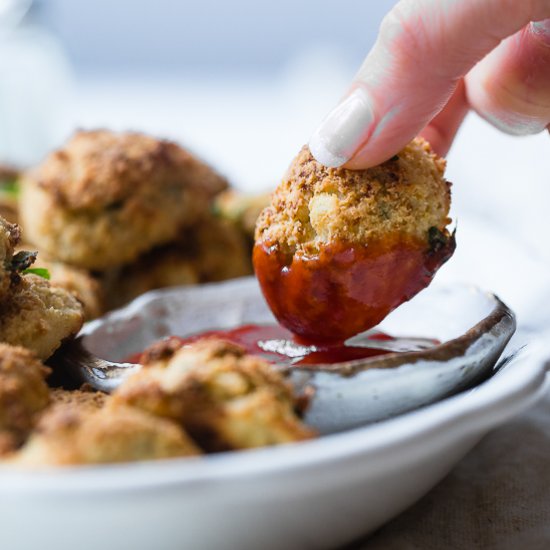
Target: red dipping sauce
345,289
279,346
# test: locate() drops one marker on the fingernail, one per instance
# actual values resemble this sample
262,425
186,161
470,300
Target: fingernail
343,130
542,29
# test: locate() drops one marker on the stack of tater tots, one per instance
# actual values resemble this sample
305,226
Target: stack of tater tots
104,219
113,215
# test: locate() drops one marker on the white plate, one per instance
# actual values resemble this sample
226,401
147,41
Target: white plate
317,494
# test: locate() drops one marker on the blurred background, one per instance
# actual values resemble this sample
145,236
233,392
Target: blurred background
221,77
243,84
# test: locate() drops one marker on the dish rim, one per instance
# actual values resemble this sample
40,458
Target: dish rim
500,313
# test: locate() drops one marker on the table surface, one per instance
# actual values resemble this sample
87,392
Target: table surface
498,497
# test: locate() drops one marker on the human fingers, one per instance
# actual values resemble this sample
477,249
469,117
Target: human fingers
423,50
511,87
441,130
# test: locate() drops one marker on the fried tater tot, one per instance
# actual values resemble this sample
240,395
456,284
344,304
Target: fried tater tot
338,249
224,398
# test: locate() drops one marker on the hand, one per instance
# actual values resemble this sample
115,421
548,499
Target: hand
432,62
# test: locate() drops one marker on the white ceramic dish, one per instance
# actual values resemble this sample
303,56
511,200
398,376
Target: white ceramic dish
318,494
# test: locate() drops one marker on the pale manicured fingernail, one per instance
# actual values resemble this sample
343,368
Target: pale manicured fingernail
344,130
542,29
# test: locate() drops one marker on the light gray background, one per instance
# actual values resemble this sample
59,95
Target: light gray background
213,35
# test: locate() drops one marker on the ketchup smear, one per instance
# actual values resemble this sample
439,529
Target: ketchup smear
279,346
344,289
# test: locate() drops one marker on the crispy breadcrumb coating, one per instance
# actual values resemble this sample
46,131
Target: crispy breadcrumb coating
9,209
38,316
9,189
316,205
68,434
105,198
9,237
162,267
211,250
83,399
218,250
23,394
241,209
79,282
33,314
224,398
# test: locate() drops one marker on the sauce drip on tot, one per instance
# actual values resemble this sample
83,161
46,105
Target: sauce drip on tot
279,346
345,288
